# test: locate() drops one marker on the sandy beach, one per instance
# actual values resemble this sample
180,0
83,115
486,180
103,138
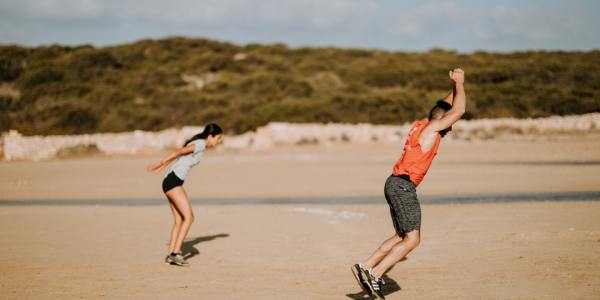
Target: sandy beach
469,251
344,170
520,250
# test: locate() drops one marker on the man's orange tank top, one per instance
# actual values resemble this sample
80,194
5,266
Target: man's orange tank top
413,161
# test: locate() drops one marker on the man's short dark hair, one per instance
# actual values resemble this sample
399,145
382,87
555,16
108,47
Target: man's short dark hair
439,109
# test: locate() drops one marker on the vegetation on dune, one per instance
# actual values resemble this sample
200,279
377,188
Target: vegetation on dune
156,84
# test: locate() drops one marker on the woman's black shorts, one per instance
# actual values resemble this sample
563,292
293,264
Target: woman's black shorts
171,181
401,195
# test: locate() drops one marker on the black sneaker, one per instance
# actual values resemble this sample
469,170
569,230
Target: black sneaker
376,284
169,259
359,275
177,259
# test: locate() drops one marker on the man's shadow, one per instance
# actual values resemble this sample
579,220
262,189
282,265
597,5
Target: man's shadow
187,248
390,286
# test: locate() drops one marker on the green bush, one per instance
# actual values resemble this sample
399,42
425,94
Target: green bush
41,77
140,86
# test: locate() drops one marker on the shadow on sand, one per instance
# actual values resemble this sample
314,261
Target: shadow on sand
390,286
188,249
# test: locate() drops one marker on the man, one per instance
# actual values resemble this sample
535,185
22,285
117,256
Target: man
400,188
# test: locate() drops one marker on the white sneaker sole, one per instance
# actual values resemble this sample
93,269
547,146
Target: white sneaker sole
357,275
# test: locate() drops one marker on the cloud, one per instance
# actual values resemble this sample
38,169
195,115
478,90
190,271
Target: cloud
311,13
425,18
540,23
391,24
52,9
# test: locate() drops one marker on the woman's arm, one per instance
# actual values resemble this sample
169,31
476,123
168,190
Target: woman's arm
155,167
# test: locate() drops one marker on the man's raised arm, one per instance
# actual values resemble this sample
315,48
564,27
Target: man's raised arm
450,97
458,105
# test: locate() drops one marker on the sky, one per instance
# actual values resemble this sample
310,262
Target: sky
399,25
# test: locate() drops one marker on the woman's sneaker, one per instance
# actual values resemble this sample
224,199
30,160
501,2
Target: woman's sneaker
360,276
376,284
177,259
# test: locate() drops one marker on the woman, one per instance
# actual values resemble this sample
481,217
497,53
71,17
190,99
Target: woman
185,158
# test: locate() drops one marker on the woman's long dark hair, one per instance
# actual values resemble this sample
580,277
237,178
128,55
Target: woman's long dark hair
210,129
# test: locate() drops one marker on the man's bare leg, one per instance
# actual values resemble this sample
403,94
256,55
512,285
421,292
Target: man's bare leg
397,252
381,251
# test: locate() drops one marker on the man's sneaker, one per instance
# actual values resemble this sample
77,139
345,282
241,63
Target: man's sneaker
376,284
359,275
168,259
178,259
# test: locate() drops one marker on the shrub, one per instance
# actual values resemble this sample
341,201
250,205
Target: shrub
139,86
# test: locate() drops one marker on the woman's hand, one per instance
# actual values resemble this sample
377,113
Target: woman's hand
155,167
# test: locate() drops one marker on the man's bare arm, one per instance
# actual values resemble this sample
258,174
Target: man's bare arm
450,97
458,104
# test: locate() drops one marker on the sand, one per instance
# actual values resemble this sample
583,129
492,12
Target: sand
469,251
352,170
523,250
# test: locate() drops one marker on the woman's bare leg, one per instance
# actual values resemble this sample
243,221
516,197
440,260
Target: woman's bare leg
179,198
398,251
381,251
177,221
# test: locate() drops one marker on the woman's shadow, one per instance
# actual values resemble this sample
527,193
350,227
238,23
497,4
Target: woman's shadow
187,248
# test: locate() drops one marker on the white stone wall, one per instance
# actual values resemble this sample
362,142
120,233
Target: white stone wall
543,125
18,147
